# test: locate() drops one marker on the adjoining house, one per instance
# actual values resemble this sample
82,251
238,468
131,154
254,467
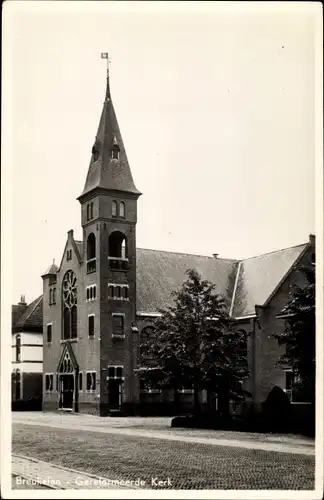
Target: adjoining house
27,354
106,292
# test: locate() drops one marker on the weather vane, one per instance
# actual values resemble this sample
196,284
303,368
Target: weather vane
104,55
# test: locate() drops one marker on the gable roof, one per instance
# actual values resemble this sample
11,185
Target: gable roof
32,317
260,276
159,273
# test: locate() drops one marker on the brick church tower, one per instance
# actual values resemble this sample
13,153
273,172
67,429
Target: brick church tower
108,218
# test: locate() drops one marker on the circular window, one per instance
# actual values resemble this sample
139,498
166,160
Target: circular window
69,290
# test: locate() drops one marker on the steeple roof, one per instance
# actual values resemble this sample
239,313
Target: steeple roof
109,168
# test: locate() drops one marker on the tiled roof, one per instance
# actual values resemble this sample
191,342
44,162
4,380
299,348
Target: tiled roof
159,273
32,317
16,312
259,276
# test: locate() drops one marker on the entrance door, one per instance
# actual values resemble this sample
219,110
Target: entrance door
115,394
67,391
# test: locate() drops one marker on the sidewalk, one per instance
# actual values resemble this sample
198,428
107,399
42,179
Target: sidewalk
29,472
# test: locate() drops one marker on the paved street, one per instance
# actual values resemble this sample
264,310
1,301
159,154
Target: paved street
147,450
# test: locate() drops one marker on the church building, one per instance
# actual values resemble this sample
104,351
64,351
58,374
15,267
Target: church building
106,292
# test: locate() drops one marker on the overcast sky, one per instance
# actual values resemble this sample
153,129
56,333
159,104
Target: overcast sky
216,108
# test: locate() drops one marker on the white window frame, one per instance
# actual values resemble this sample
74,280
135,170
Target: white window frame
49,391
115,376
112,333
94,286
47,342
90,391
122,286
186,391
91,336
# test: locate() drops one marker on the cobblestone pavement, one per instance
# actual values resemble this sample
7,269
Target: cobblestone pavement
159,428
181,463
30,473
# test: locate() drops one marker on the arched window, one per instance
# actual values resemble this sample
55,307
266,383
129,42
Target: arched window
69,292
50,297
91,246
122,209
114,208
18,348
117,251
91,253
117,241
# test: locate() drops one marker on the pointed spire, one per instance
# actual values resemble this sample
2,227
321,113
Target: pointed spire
108,170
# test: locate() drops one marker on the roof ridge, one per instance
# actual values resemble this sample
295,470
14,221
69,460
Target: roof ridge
274,251
178,253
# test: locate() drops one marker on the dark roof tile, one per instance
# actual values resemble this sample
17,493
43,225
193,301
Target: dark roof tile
32,317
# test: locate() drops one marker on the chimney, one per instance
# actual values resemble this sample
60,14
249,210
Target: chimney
22,301
215,255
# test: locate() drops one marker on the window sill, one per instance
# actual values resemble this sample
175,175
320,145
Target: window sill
118,336
92,337
68,341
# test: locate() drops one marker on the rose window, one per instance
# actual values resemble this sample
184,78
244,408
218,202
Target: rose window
69,290
69,299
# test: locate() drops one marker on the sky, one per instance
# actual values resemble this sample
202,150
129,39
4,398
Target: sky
216,106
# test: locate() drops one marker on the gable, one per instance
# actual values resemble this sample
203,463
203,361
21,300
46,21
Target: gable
259,278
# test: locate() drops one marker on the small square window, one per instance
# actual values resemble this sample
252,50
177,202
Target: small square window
125,292
111,371
119,371
111,291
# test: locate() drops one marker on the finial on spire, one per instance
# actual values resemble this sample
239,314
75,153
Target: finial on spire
53,262
104,55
